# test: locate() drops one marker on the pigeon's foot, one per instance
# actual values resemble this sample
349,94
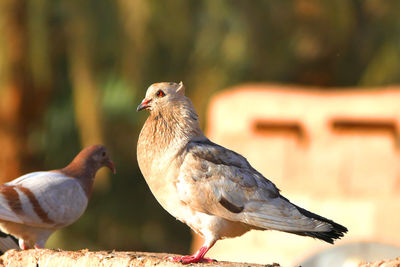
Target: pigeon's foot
195,258
22,244
190,259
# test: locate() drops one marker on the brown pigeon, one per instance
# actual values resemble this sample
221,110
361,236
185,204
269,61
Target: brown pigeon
211,188
34,205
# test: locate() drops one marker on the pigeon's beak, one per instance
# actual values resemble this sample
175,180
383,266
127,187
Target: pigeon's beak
110,165
144,105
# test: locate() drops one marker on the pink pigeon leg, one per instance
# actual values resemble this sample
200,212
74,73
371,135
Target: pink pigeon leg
22,244
37,246
196,257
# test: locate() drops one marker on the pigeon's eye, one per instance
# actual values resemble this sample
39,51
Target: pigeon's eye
160,93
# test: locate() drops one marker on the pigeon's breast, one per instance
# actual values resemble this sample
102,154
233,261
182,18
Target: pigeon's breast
160,170
161,177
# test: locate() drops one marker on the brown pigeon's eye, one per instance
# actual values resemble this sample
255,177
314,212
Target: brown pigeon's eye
160,93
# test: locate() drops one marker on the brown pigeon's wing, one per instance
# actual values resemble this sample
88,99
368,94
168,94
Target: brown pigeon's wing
43,199
218,181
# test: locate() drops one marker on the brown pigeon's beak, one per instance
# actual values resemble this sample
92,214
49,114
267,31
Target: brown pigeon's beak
144,105
110,165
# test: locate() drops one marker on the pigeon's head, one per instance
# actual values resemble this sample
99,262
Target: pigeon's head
96,157
158,95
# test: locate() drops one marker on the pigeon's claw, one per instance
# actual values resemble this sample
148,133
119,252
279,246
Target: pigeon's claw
22,244
190,259
195,258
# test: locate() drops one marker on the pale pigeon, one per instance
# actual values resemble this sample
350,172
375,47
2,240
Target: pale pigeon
210,188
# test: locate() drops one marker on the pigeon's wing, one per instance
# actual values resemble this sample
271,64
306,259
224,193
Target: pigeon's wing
218,181
44,199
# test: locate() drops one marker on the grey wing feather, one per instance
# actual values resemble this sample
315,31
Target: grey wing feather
218,181
7,242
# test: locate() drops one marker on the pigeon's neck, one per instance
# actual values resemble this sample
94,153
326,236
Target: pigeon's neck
173,126
83,171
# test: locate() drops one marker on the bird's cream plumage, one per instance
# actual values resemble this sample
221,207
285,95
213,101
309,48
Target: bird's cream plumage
212,189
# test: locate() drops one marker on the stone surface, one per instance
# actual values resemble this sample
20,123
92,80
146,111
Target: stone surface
85,258
382,263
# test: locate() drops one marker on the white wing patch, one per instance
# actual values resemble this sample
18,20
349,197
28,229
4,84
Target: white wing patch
20,179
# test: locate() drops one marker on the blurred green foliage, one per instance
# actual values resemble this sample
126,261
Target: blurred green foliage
125,45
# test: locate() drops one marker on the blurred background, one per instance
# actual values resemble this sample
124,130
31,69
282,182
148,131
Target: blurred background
73,72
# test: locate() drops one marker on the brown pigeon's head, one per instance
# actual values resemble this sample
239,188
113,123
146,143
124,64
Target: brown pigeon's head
86,164
99,156
93,158
159,94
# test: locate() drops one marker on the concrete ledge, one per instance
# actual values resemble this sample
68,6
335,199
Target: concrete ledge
83,258
382,263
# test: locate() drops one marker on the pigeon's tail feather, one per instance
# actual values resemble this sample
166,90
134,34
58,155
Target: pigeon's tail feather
336,232
7,242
